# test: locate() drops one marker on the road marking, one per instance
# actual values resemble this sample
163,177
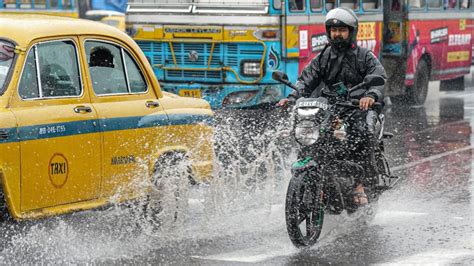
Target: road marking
391,217
431,158
441,257
250,255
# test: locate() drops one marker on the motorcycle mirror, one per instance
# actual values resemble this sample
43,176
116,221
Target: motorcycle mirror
374,80
358,93
280,76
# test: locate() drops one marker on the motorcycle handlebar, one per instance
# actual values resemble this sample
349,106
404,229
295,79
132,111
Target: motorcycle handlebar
355,104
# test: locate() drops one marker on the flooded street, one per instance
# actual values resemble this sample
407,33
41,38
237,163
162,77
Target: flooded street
239,217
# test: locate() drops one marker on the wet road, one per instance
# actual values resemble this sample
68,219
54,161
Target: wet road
239,217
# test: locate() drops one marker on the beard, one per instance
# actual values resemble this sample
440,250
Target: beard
340,44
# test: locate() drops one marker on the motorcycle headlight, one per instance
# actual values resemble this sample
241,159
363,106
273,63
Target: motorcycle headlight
307,132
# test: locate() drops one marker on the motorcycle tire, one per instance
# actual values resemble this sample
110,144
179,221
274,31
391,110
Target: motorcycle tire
304,212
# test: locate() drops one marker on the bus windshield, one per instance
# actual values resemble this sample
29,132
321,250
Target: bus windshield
7,54
200,6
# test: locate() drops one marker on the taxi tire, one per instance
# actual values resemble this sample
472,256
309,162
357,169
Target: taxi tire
171,183
418,92
4,213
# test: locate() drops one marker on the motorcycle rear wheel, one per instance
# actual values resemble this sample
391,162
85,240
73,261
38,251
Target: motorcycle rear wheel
304,213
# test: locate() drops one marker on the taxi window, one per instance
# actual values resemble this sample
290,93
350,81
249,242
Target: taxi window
7,54
28,88
135,78
112,69
55,67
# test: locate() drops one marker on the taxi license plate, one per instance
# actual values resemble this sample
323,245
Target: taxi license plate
190,93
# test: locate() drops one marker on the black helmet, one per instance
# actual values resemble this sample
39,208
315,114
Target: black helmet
342,17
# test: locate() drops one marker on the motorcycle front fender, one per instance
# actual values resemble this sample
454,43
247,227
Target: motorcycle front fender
306,167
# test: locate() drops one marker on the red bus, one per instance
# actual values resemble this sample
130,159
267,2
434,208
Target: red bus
417,40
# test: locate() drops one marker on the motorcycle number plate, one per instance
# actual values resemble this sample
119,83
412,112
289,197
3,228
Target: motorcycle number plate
313,104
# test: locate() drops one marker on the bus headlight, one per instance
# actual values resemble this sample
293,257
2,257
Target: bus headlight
307,132
250,68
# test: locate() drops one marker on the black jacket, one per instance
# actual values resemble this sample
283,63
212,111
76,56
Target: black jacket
355,65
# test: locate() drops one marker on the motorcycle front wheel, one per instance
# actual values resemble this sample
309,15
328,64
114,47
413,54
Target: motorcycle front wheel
304,212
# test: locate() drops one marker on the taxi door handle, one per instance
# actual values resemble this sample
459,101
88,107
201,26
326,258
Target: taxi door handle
82,109
152,104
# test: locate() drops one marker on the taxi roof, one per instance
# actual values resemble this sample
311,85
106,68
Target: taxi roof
23,28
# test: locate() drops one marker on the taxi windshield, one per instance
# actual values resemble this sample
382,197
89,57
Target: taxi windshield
7,54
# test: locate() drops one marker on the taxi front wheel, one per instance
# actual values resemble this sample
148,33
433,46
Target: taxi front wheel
168,202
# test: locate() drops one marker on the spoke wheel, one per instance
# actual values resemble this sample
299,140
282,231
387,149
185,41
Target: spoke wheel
304,213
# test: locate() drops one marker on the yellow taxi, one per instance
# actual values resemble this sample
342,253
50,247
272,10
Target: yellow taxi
82,118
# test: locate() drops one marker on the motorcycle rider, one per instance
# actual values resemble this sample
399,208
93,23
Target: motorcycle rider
343,61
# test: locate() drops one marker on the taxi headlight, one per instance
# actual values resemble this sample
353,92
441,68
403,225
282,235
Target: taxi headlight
250,68
307,132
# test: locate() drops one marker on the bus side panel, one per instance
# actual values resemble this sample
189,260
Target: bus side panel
457,57
447,44
420,43
369,36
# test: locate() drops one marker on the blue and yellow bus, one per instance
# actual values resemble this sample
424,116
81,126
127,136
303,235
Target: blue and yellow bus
225,51
65,8
111,12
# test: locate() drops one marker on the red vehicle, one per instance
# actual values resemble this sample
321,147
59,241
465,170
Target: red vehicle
417,40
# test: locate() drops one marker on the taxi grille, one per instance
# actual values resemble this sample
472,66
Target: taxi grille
224,54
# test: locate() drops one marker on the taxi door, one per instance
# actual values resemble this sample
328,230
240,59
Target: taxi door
130,115
57,128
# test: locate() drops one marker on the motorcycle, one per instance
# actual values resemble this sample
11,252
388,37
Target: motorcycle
325,175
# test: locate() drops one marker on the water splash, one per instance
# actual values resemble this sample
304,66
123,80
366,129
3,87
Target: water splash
251,172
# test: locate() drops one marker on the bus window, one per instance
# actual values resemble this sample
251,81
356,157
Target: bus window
316,5
277,4
39,4
370,4
465,4
396,6
450,4
434,3
24,4
68,4
330,4
417,4
352,4
297,5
